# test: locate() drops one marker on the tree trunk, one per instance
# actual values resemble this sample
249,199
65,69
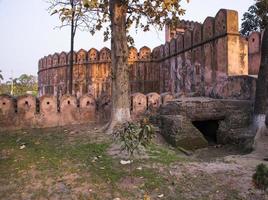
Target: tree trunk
260,107
120,73
70,91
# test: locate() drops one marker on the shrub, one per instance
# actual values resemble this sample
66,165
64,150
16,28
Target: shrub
260,177
134,135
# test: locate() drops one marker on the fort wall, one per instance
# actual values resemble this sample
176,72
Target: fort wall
92,72
210,59
31,112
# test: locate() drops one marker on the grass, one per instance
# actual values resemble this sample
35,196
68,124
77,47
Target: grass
63,162
153,180
164,155
50,152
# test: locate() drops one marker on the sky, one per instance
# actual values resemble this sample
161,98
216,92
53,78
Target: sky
28,33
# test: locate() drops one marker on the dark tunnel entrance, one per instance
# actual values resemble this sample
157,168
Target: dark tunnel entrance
209,129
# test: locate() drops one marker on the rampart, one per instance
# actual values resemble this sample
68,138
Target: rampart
210,59
31,112
91,72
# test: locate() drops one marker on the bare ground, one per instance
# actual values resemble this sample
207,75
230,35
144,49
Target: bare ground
81,162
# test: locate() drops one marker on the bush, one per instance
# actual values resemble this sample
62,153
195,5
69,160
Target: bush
260,177
134,135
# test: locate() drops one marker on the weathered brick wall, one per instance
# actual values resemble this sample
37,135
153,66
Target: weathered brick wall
91,72
31,112
210,59
206,60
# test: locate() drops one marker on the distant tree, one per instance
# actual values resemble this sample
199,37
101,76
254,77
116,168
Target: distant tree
23,84
1,76
256,18
72,13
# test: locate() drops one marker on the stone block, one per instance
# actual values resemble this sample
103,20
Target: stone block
180,132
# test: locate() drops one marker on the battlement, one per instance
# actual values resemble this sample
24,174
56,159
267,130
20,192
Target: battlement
47,111
89,57
172,32
209,59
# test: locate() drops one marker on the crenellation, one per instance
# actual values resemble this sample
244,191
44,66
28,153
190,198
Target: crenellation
180,43
138,104
254,52
7,105
105,54
48,104
187,37
220,23
26,104
63,59
133,54
144,53
55,60
81,56
153,101
87,109
208,29
49,61
197,34
93,55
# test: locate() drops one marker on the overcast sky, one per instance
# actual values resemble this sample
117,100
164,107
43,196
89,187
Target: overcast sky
27,32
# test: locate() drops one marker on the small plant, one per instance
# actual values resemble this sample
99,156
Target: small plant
133,137
260,177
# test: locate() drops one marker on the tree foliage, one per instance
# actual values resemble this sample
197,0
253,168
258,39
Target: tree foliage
256,18
141,14
20,86
94,15
68,10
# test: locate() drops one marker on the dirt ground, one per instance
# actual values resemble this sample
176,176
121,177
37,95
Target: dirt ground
81,162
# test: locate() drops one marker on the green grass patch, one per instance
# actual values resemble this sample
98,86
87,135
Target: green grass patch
96,160
49,152
152,179
164,155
